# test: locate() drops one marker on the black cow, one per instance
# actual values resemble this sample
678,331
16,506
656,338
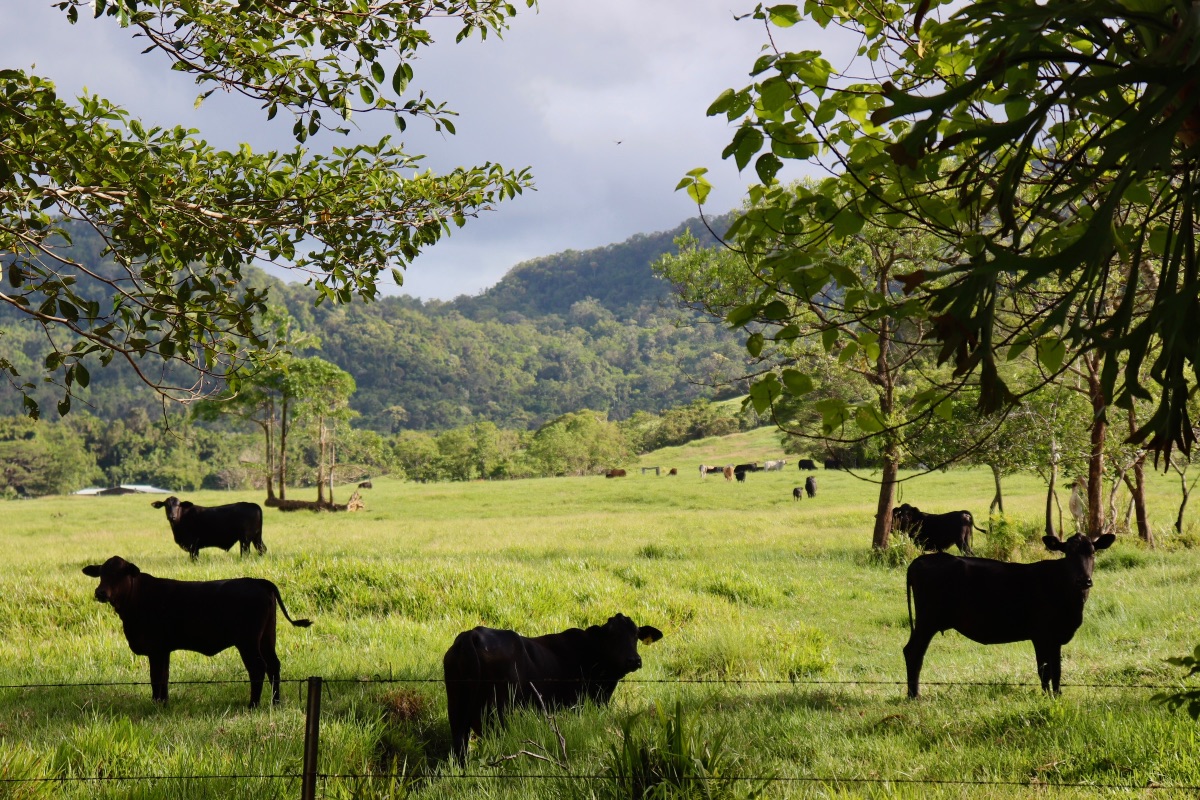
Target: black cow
993,602
195,527
807,464
740,470
810,486
161,615
366,485
488,671
935,531
797,493
833,463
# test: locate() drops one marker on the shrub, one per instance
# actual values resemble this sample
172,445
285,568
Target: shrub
672,761
899,552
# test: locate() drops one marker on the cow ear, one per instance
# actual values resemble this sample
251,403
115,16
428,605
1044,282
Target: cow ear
157,504
92,570
649,635
1052,543
132,569
1104,542
186,504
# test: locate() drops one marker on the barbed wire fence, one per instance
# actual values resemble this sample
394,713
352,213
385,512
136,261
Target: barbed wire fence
310,779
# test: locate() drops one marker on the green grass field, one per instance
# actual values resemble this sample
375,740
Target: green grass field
782,644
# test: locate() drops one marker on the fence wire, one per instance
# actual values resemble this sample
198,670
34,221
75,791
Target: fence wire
325,778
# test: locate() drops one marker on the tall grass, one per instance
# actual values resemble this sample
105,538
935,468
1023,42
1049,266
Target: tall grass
774,597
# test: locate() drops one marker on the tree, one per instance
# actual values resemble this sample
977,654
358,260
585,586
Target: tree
182,221
320,394
1020,134
835,300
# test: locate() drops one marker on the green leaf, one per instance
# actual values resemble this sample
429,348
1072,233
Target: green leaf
783,16
776,309
754,344
797,382
1051,352
767,166
868,420
82,376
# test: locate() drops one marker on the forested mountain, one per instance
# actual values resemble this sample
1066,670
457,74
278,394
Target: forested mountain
582,329
617,276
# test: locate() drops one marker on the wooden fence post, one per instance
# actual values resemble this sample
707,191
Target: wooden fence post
312,735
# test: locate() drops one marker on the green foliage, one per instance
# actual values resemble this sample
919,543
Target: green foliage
1064,223
578,444
183,221
1004,537
672,760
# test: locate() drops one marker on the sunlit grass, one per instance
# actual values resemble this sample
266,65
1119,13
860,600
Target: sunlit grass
747,584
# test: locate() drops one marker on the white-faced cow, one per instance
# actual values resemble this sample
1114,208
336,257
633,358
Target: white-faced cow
935,531
196,527
161,615
488,671
994,602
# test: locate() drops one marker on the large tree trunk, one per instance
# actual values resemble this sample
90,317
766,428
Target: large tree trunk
1051,497
1095,487
1139,488
998,500
320,460
887,499
283,434
269,432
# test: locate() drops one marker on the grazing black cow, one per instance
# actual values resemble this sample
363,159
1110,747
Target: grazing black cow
936,531
810,486
161,615
797,493
833,463
488,671
993,602
195,527
807,464
366,485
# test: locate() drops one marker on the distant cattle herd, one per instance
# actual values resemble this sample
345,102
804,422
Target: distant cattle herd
488,671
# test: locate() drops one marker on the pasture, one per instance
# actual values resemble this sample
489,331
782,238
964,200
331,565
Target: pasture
782,645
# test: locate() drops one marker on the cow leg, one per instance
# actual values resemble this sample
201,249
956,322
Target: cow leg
245,546
194,552
259,546
914,656
160,670
1049,664
257,667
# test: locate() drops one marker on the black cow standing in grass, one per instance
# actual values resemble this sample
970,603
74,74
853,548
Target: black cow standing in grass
807,464
936,531
810,486
161,615
195,527
489,671
994,602
797,493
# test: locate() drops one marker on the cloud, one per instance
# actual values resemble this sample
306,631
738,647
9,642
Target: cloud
556,93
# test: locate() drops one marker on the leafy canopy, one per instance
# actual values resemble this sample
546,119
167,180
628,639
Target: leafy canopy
1050,141
181,220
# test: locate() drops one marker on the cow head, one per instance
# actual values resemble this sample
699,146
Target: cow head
1081,551
116,580
615,644
174,507
905,517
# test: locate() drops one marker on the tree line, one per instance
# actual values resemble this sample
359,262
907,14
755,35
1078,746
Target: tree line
295,431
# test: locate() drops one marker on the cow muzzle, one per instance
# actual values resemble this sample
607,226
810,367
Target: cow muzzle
1085,584
101,596
633,664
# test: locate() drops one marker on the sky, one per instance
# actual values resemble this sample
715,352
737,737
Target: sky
603,99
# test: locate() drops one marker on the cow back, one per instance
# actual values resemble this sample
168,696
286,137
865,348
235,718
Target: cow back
203,616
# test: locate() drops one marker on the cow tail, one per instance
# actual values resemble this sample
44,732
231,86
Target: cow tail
299,623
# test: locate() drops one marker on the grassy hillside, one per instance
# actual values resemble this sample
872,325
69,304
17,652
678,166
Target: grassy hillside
782,643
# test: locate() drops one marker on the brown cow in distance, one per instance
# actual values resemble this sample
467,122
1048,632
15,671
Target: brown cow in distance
160,615
615,473
728,472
